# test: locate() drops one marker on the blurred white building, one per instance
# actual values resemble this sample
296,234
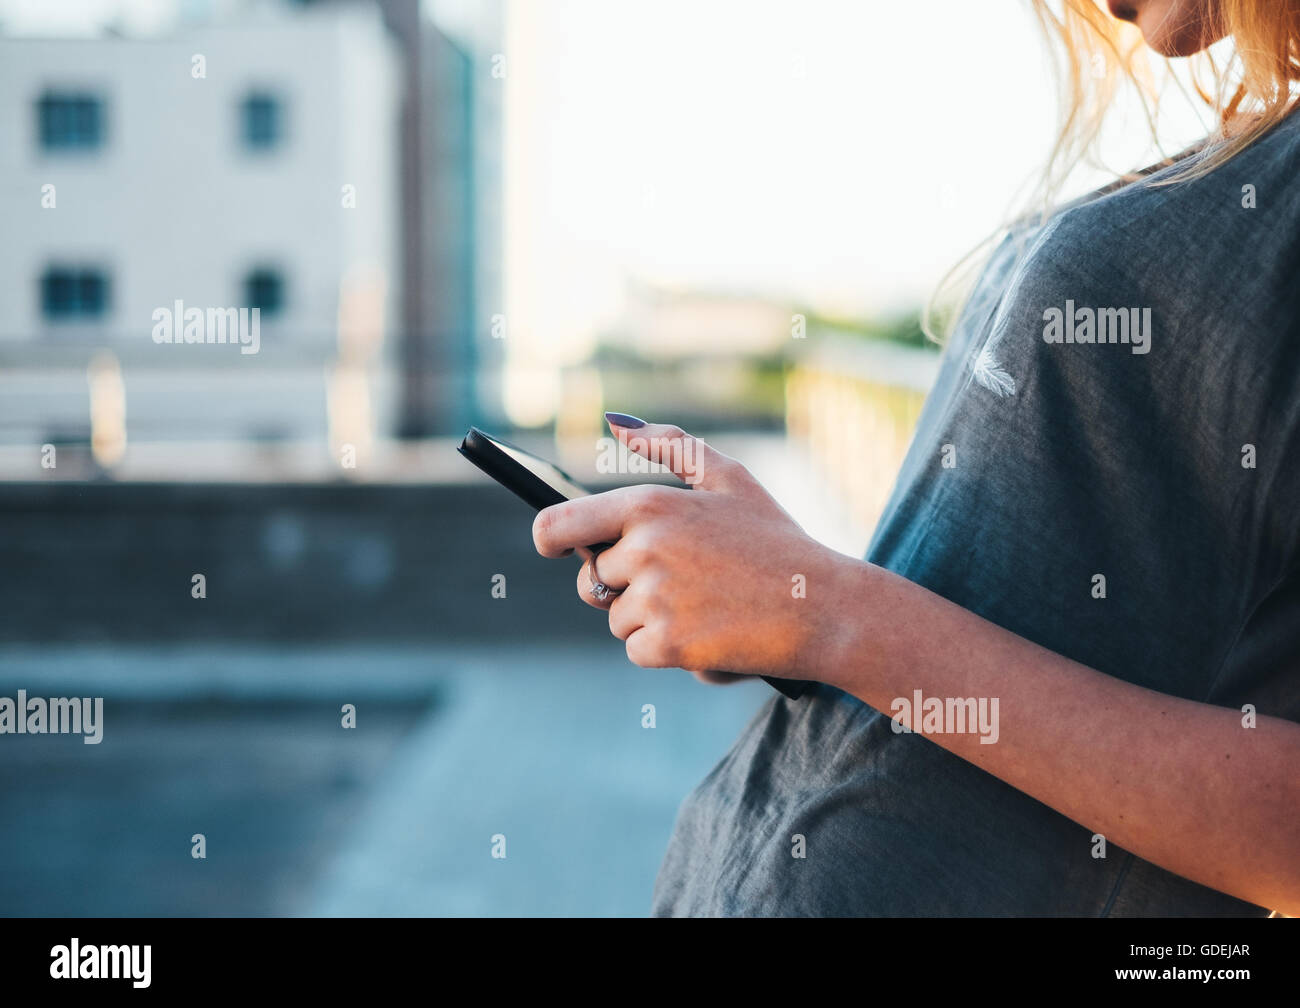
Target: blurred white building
251,163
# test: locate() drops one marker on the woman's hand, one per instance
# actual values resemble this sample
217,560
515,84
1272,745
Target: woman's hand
714,578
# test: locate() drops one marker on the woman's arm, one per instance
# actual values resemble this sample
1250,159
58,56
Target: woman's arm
720,578
1182,784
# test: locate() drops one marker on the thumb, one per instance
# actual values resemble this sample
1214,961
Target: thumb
691,460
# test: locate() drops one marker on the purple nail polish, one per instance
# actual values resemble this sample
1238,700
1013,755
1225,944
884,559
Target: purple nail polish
623,420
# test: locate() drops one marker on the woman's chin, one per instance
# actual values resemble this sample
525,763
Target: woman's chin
1173,36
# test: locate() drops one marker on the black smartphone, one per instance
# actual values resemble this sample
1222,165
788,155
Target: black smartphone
540,484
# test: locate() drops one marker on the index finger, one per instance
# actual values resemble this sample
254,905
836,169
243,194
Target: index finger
583,521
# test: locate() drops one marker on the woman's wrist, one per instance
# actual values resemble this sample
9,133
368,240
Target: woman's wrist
844,647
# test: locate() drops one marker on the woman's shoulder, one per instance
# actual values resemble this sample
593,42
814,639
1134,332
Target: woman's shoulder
1264,176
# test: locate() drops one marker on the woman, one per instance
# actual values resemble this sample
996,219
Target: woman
1093,551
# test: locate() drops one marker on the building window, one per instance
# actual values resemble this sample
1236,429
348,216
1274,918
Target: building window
74,293
263,121
264,289
70,121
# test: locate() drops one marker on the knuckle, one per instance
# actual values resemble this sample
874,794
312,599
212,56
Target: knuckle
657,604
636,651
638,553
726,464
619,628
649,650
671,654
720,464
651,502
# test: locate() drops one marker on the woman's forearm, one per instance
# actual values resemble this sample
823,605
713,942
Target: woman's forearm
1182,784
702,579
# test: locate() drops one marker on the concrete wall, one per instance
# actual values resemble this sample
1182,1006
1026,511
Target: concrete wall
86,562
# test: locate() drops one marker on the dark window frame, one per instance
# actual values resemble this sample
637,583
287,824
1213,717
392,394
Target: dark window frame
75,293
71,120
262,119
265,287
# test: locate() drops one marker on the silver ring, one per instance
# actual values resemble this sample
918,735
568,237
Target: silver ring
598,590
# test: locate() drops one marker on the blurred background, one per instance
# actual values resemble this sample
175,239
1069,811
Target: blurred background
509,213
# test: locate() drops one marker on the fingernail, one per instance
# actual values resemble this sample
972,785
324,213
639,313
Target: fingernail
623,420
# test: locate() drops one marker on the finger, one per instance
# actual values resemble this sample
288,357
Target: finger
615,565
693,461
590,573
585,521
626,616
645,649
584,588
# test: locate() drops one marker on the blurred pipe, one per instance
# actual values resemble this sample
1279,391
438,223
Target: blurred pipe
361,313
581,416
857,431
350,420
531,393
107,409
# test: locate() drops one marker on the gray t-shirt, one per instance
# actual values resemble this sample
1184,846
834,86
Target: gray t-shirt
1166,459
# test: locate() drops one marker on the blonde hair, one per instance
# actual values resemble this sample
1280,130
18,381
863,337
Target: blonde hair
1247,89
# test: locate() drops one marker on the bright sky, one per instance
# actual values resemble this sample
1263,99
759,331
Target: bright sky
837,153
